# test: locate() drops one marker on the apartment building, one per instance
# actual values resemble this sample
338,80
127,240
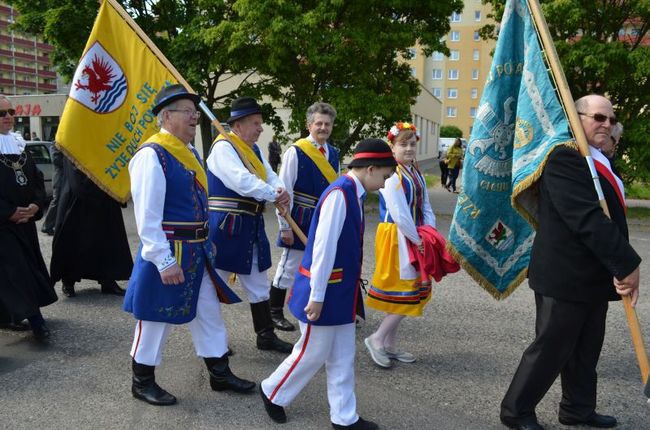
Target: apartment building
458,79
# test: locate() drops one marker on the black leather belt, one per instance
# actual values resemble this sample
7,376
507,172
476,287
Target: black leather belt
186,231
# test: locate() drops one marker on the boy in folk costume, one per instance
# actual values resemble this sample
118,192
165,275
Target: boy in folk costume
398,288
326,296
308,167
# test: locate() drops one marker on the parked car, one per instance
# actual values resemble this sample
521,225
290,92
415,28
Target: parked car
445,142
41,153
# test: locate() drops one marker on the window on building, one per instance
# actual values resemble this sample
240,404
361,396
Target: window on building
476,55
454,55
474,74
437,91
452,93
412,53
455,36
472,112
477,15
455,17
413,71
452,74
438,56
476,36
436,74
474,93
451,112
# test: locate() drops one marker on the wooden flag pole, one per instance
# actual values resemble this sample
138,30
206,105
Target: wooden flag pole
152,46
583,146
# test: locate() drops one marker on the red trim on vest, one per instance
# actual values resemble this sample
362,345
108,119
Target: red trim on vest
295,363
604,172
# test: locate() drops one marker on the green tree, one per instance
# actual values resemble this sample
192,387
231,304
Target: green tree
450,131
347,53
604,48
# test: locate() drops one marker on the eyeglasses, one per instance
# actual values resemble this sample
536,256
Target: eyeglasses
4,112
599,117
188,112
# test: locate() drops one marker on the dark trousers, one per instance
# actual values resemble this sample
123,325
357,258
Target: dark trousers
453,175
444,172
569,337
50,218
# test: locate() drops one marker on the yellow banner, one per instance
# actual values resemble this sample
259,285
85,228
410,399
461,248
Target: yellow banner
108,111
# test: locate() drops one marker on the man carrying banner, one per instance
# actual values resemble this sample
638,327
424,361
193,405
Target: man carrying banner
308,167
580,260
241,181
174,281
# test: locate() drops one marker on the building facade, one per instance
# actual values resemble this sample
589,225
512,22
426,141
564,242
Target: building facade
457,80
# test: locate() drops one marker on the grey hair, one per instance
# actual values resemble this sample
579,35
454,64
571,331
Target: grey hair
322,108
159,117
582,104
617,131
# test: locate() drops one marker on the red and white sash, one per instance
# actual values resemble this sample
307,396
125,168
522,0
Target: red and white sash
604,169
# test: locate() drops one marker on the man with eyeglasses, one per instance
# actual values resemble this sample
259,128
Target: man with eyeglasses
173,280
241,182
580,260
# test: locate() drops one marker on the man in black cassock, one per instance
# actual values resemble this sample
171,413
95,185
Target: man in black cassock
90,240
24,281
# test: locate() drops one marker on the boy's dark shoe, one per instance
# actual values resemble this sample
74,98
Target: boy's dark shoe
522,424
595,420
274,411
361,424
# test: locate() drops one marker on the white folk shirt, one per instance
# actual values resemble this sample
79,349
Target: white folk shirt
399,210
289,173
225,164
12,143
148,189
333,211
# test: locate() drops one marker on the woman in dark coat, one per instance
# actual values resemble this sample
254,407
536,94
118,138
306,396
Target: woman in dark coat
24,281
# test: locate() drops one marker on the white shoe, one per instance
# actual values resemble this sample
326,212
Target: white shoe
403,356
378,354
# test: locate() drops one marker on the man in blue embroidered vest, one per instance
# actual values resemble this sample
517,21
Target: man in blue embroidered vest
308,167
174,280
326,295
241,181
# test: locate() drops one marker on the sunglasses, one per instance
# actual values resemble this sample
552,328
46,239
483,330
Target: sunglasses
599,117
3,112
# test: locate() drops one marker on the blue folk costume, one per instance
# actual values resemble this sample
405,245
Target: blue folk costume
237,225
312,179
343,299
185,222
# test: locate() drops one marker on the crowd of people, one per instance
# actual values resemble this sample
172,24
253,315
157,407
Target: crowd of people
202,228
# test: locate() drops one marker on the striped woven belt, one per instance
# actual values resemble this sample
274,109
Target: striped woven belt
230,204
335,277
305,200
189,231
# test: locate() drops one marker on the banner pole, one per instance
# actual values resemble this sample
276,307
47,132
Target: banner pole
576,126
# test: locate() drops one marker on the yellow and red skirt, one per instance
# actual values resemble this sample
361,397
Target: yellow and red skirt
388,292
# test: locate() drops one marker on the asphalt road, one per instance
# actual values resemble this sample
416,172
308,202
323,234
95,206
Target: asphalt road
467,345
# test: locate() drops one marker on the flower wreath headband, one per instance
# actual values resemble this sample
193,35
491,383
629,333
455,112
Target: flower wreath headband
394,130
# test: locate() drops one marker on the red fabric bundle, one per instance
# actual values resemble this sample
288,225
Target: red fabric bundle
435,261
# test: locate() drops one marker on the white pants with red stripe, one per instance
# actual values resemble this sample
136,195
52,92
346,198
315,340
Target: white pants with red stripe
208,330
256,284
333,346
287,268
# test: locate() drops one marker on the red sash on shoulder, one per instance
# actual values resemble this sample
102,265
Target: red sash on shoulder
604,172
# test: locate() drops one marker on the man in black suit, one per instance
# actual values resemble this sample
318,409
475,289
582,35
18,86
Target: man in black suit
580,261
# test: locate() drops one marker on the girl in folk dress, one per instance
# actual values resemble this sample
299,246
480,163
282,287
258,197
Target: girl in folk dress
397,288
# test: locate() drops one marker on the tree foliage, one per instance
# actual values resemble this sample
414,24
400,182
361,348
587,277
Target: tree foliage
450,131
604,48
348,53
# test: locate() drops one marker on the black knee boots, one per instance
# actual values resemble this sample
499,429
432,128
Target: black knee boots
277,309
145,388
222,378
263,324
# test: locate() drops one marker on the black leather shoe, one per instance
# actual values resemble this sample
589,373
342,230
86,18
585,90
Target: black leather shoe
268,341
41,332
144,386
111,287
279,321
15,326
595,420
222,378
361,424
274,411
522,424
68,289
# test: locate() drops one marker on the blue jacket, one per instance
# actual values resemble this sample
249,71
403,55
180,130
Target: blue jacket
186,203
343,299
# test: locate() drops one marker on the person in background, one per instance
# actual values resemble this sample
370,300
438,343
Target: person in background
454,163
57,184
35,136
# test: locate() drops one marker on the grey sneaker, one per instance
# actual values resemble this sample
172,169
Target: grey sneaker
403,356
378,354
